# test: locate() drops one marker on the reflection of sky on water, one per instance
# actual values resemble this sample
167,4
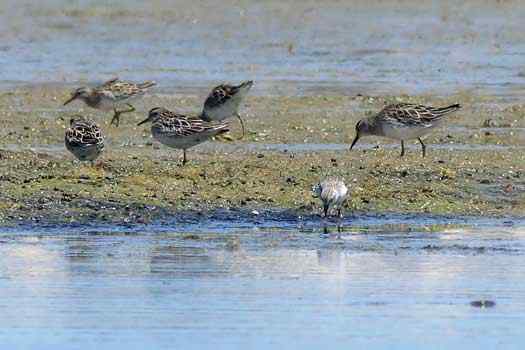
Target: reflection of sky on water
393,284
369,47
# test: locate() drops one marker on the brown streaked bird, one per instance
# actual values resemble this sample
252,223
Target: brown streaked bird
84,139
332,192
179,131
111,96
224,101
403,121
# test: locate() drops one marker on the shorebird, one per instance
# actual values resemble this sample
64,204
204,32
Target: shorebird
179,131
111,96
402,122
332,192
224,101
84,139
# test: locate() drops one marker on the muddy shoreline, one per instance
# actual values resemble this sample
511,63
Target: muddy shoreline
140,181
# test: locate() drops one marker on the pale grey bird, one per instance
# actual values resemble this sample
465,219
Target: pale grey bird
404,121
111,96
179,131
332,192
84,139
224,101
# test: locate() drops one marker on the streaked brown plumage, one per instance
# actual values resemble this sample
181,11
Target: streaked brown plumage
223,102
84,139
403,121
111,95
179,131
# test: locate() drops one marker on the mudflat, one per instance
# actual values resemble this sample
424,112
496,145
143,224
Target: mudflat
474,166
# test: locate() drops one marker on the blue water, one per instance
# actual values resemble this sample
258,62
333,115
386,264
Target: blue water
297,47
268,281
393,282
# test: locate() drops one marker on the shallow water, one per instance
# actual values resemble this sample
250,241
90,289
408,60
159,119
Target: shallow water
55,149
377,281
272,280
295,47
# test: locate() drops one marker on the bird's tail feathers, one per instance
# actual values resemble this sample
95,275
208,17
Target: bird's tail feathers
448,109
147,84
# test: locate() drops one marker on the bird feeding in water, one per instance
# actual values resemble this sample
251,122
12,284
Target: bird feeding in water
332,192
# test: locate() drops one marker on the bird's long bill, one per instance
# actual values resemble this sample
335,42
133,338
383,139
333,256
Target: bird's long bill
354,142
144,121
70,99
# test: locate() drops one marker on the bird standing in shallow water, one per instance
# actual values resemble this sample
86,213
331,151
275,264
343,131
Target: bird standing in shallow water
224,101
178,131
110,96
402,122
332,192
84,139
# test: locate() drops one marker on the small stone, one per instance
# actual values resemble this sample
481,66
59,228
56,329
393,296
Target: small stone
255,212
490,123
483,303
508,189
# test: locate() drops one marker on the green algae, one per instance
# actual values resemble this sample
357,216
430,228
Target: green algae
137,180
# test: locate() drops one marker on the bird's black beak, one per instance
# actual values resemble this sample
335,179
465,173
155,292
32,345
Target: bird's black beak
70,99
354,142
144,121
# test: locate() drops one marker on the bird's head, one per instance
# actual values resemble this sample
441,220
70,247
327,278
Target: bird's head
82,93
362,128
153,115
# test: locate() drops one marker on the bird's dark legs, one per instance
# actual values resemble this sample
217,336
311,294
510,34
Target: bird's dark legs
116,116
423,147
184,160
242,124
340,212
402,148
325,209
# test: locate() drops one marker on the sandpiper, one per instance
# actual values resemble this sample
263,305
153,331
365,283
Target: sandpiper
332,192
179,131
84,139
110,96
402,122
223,102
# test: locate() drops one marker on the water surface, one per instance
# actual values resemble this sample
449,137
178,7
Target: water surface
295,47
378,281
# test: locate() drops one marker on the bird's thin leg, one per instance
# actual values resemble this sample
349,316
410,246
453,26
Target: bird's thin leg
325,209
116,118
423,147
402,148
184,160
242,125
340,212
